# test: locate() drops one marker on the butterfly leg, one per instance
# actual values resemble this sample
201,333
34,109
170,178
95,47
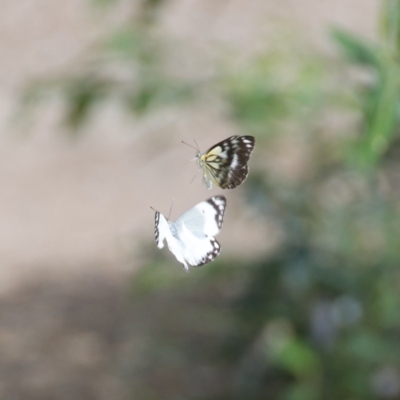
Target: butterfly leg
207,181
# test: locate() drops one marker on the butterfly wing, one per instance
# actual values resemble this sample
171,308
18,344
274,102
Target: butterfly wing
225,164
196,229
166,230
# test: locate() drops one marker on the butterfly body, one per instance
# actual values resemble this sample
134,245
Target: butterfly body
225,164
191,237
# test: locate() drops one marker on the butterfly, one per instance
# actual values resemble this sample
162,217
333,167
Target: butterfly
191,237
225,164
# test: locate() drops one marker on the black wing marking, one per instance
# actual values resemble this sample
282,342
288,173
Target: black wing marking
231,162
219,205
156,230
211,255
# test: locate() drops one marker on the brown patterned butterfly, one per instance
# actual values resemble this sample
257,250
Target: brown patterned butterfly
225,164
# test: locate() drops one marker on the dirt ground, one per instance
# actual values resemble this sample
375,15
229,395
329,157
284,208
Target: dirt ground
75,213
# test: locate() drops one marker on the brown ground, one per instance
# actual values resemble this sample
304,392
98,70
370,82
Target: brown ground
75,212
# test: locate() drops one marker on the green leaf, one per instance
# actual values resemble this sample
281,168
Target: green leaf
355,48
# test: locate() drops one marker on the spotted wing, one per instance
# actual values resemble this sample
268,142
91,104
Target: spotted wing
196,229
225,164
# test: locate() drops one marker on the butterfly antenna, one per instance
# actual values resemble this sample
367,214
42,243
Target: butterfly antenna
153,209
170,209
187,144
197,146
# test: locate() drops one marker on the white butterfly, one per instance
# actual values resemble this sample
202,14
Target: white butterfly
191,237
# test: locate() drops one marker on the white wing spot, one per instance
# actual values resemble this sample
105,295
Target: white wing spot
234,162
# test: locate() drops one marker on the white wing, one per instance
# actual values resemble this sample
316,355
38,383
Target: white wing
205,218
191,237
162,231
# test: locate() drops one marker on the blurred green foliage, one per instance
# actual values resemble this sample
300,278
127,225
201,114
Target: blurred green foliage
127,67
319,317
381,97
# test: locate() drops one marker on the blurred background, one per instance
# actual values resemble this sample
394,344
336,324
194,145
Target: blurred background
303,301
